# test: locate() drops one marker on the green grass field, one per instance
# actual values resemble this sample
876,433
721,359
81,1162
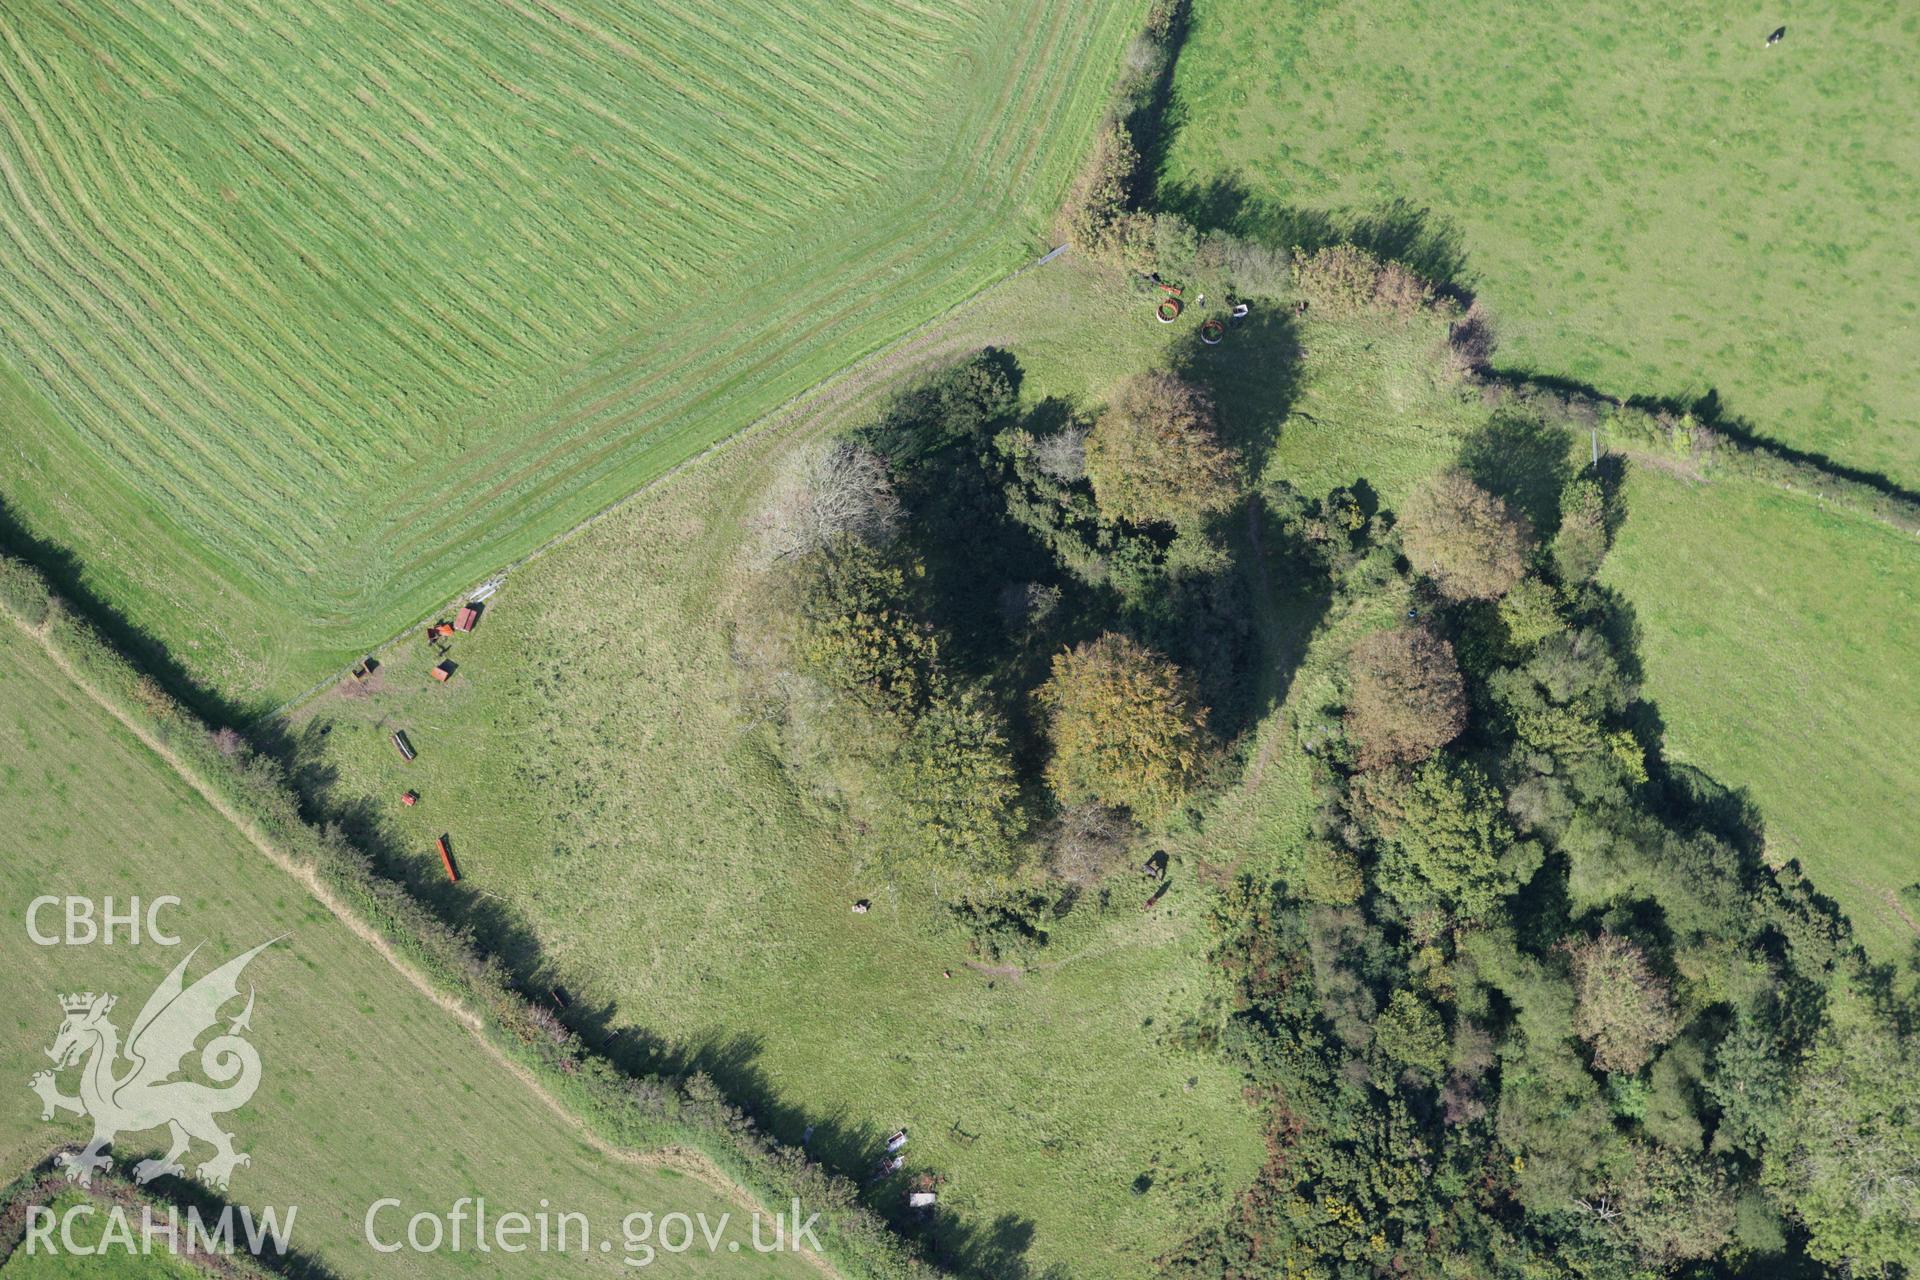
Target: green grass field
318,318
1778,639
369,1088
1649,199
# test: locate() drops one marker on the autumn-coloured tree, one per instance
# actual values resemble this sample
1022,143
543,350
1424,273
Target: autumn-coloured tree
1622,1008
1154,456
1408,699
1126,728
1464,538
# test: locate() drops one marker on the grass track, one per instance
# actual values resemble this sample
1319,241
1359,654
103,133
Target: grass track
328,322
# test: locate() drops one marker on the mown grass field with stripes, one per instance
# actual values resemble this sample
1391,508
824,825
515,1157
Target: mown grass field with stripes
317,315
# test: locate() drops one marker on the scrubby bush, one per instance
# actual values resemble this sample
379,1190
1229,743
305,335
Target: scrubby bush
858,630
1103,193
1344,280
1581,542
1086,843
1330,875
22,592
958,781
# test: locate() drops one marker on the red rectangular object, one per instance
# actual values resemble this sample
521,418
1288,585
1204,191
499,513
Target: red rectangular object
446,860
443,672
468,619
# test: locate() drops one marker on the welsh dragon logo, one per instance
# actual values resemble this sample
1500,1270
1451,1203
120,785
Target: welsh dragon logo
145,1095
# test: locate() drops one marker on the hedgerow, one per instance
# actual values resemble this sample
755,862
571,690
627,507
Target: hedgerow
637,1112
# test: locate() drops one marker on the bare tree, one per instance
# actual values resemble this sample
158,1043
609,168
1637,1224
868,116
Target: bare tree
1086,843
1063,454
832,490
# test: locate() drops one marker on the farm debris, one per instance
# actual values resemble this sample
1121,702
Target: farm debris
401,745
439,630
468,618
446,859
366,668
863,906
443,672
410,798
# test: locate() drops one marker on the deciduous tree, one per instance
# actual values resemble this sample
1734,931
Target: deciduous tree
1154,456
1622,1008
1408,699
1464,538
1126,727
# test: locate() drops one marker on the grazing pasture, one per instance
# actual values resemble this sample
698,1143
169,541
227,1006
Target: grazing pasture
319,315
1778,638
622,801
1651,200
369,1088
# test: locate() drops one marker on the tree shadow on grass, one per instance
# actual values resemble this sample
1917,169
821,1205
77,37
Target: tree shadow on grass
1525,462
1254,376
65,574
1398,230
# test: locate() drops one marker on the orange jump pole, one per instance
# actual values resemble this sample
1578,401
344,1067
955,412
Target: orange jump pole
446,860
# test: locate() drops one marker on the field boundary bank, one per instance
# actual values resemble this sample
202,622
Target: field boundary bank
1675,440
685,1124
1662,431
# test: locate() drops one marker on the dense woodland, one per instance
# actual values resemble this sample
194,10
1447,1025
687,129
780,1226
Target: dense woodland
1526,1001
